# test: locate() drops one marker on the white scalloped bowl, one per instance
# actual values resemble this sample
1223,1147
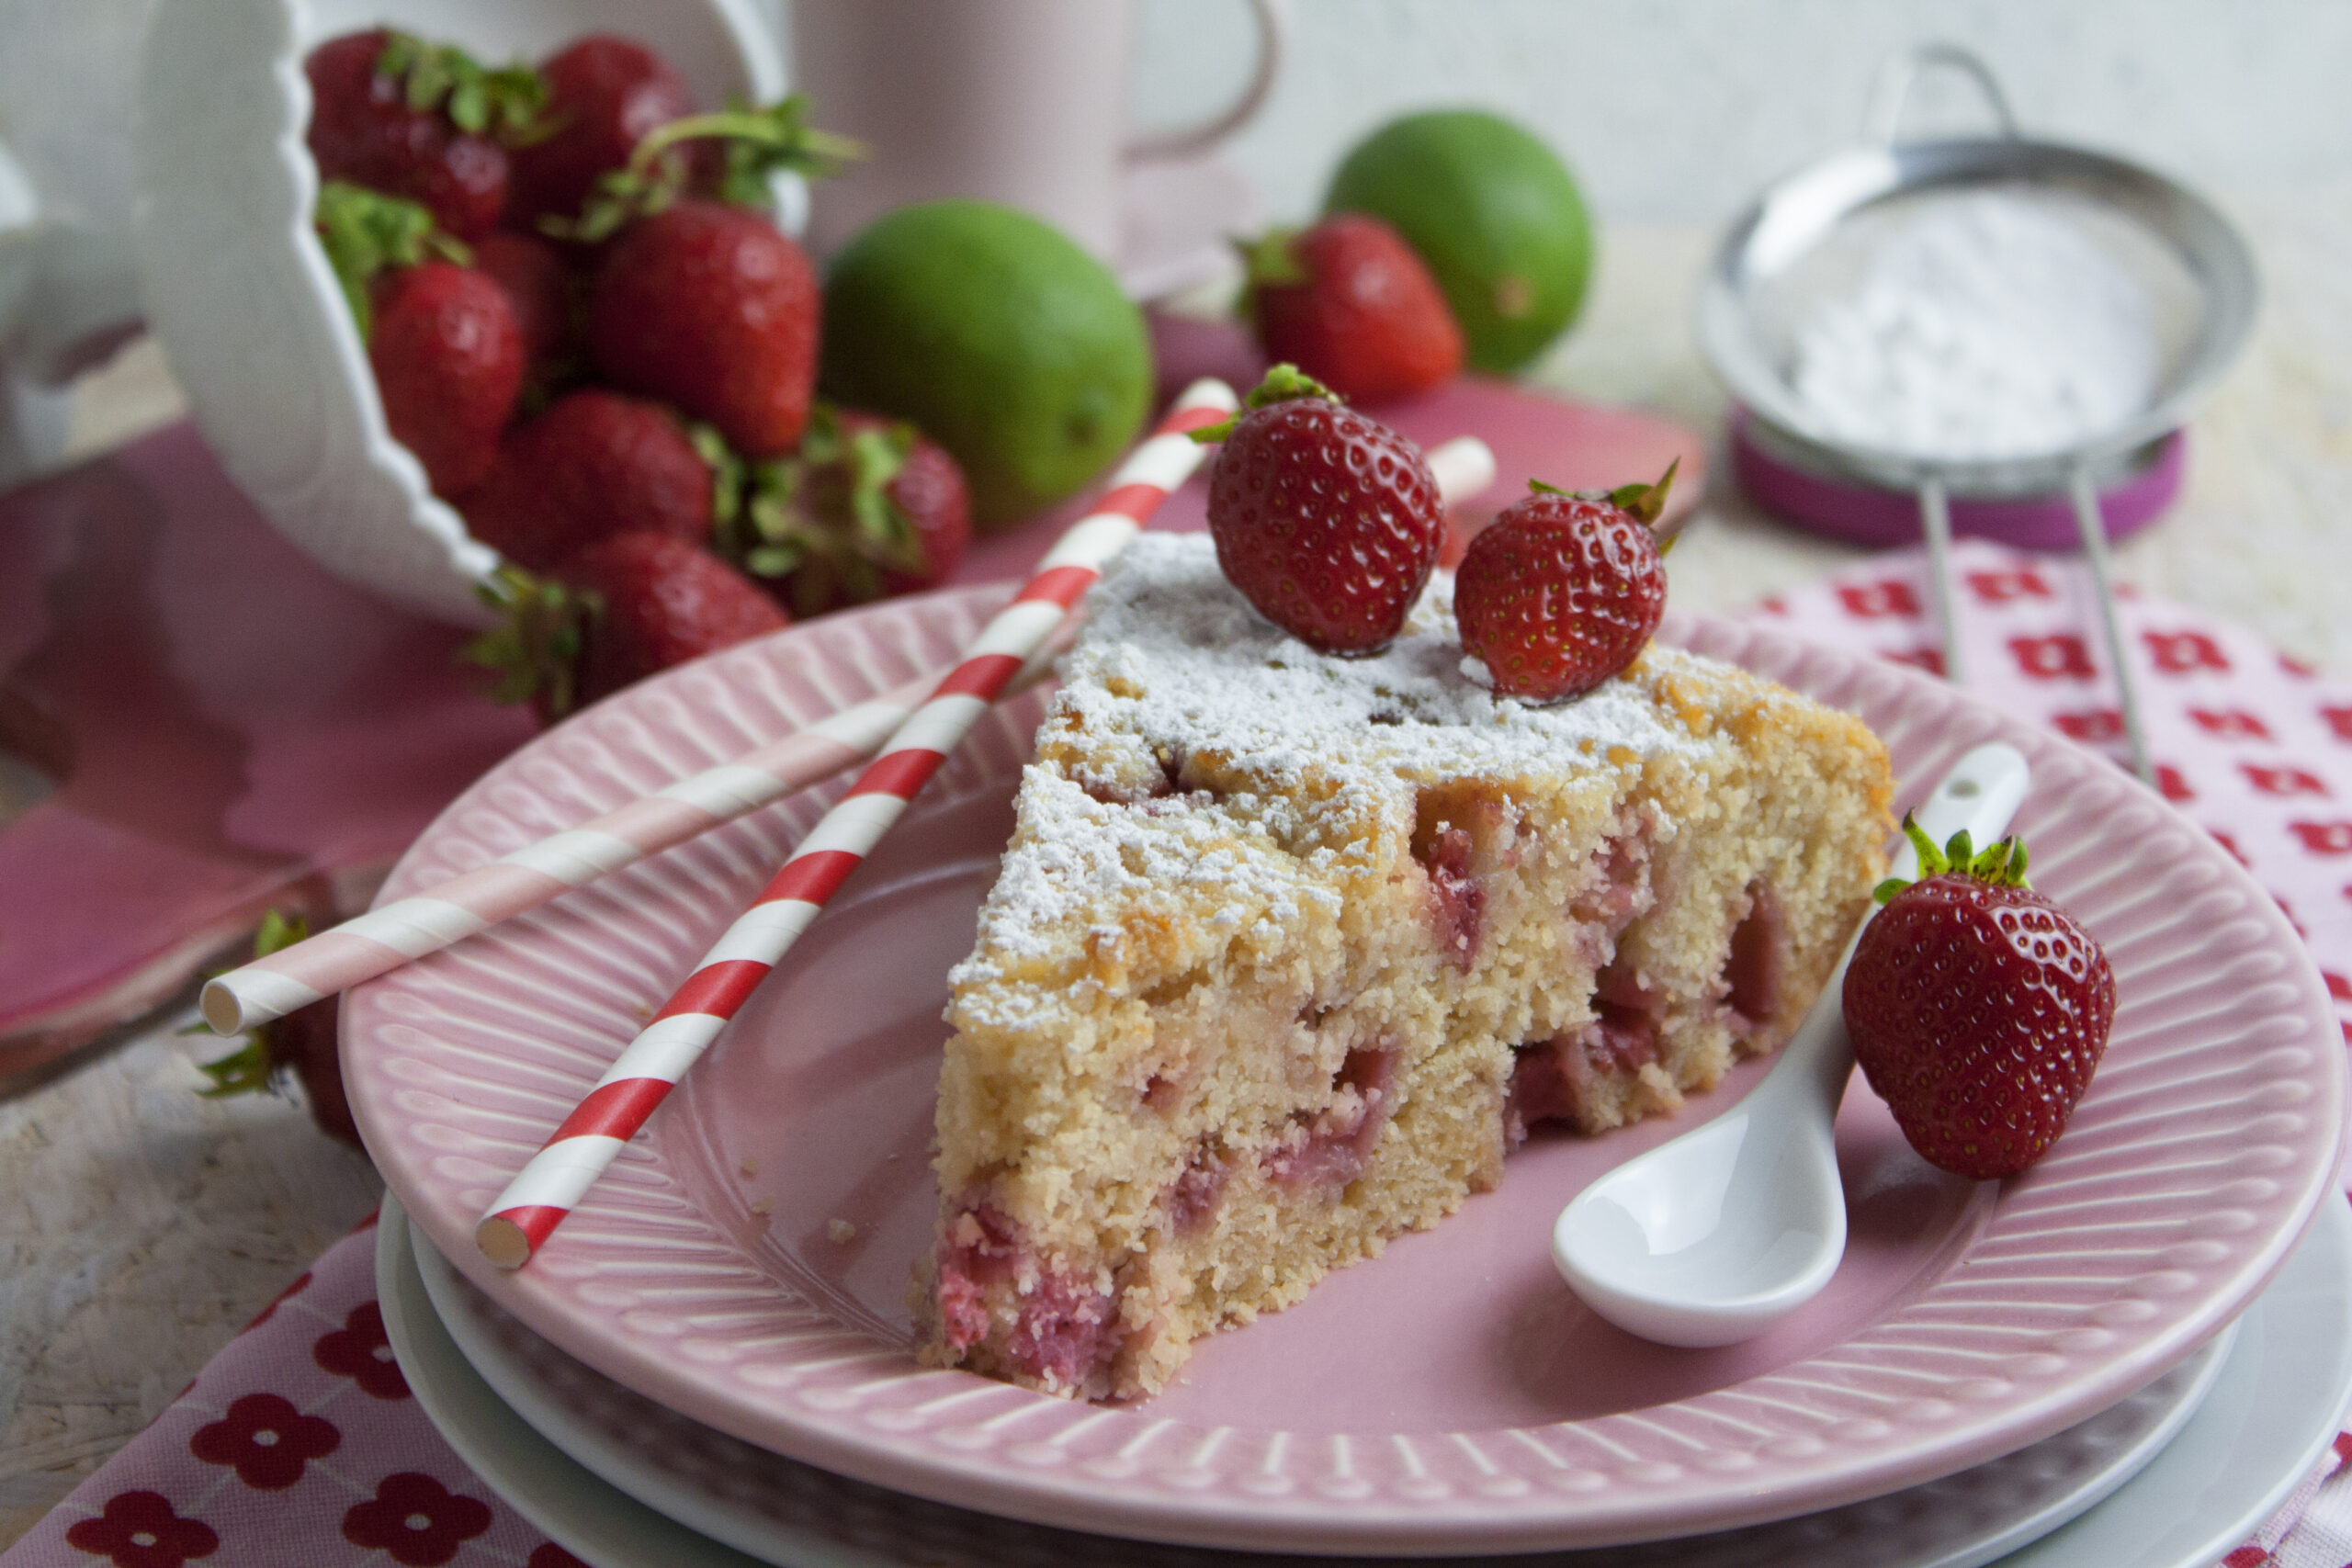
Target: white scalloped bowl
239,292
1449,1396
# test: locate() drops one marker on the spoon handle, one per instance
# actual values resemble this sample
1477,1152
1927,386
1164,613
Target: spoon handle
1981,793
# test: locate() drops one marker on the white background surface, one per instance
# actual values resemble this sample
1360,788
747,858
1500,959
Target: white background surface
1679,109
1668,108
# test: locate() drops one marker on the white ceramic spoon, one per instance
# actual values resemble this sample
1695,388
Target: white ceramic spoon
1713,1238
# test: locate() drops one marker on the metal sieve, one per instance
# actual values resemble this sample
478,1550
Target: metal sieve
1806,238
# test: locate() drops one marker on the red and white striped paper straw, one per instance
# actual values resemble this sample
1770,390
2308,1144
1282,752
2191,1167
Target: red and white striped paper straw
556,1178
384,939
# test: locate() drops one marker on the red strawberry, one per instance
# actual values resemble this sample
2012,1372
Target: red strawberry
1327,521
707,306
665,600
1562,591
448,361
417,120
867,507
538,288
594,465
929,491
1978,1008
603,94
1350,303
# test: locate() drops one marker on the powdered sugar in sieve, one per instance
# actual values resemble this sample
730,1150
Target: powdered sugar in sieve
1984,326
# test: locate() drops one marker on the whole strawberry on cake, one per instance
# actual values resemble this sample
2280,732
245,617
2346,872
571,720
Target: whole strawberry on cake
1307,918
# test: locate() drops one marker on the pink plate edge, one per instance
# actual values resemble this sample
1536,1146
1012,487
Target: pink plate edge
1484,1490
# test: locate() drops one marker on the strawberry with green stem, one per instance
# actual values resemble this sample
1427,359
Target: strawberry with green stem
1328,522
366,234
1563,589
420,121
1350,303
443,339
1978,1008
704,304
612,612
863,508
605,93
299,1046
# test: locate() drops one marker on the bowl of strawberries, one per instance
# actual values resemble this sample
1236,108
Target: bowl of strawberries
463,294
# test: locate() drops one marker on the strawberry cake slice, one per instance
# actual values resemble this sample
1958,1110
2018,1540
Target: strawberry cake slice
1289,951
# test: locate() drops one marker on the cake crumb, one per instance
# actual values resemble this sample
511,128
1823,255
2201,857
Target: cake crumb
749,1166
763,1207
841,1230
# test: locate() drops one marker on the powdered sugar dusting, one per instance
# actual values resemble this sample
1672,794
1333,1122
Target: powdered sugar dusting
1195,666
1174,663
1086,852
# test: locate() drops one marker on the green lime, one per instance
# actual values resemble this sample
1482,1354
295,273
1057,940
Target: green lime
1494,214
1003,340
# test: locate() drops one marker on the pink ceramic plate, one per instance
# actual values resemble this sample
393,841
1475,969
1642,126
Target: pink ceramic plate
1450,1395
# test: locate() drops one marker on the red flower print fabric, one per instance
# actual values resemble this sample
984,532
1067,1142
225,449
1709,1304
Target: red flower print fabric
266,1441
362,1351
415,1518
139,1530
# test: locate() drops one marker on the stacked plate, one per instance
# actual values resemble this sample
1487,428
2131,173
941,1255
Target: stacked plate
711,1363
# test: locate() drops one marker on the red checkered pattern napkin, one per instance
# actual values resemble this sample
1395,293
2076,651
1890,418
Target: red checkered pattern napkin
301,1444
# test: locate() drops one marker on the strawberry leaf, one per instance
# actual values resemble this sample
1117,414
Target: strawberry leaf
823,515
1270,261
1273,257
507,102
729,477
534,650
1642,502
2002,865
1283,383
766,141
759,144
247,1070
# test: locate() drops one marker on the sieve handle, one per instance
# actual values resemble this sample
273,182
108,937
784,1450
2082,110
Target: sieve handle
2092,525
1890,90
1935,526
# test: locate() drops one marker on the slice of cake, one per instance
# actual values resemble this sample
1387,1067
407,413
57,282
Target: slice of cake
1289,951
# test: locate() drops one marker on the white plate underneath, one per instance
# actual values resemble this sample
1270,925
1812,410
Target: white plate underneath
625,1484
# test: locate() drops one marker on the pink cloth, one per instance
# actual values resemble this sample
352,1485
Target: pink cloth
299,1443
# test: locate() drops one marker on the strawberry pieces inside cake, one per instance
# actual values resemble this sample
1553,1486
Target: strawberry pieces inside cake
1289,951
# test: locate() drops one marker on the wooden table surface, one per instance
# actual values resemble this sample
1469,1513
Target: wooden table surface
142,1225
